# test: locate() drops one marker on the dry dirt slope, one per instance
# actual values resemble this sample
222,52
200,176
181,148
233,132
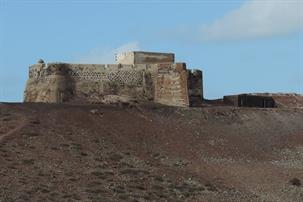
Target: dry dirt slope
149,153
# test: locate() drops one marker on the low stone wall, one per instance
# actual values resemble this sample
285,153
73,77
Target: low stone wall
247,100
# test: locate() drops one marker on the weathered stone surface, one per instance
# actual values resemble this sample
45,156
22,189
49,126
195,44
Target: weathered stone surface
172,86
248,100
140,57
195,88
166,83
266,100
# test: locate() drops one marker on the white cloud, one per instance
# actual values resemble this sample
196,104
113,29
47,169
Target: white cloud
255,19
107,55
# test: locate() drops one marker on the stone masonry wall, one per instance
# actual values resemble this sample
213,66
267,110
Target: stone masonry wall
141,57
195,88
126,81
166,83
60,82
171,85
47,84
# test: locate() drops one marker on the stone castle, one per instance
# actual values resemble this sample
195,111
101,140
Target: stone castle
136,76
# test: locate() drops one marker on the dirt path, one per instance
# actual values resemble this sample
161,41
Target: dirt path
20,126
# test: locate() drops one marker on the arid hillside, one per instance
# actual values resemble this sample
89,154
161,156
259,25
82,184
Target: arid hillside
147,152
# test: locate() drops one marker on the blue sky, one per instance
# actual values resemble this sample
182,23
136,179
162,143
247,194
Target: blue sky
241,46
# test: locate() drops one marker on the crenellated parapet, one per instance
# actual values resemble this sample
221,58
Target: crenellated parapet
167,83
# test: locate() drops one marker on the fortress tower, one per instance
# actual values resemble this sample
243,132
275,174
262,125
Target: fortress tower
140,76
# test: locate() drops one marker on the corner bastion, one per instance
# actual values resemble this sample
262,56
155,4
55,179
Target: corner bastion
137,76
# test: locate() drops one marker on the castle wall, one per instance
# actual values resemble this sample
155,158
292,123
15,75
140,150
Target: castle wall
126,81
166,83
47,85
195,87
61,82
171,85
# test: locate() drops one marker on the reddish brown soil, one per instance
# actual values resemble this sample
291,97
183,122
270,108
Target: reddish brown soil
52,152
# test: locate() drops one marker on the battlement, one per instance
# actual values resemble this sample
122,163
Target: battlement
159,79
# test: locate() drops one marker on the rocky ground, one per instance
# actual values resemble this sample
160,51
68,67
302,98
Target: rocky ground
145,152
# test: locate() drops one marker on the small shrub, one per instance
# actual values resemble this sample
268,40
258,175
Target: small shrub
123,196
295,182
31,134
76,197
67,196
76,146
44,190
132,171
146,197
97,173
64,145
159,178
116,157
157,187
97,141
98,159
95,191
210,187
28,161
35,122
119,191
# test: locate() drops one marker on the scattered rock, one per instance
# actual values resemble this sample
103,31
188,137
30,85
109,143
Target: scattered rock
96,112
